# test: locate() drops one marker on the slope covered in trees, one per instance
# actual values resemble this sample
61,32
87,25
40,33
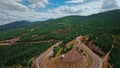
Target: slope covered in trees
15,25
103,26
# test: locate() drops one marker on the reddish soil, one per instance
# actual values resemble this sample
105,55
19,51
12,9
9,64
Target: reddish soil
10,41
58,31
106,58
72,56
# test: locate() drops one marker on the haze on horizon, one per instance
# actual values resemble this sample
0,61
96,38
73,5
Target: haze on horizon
37,10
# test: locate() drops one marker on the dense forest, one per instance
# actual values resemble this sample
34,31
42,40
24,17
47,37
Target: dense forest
104,26
21,54
15,25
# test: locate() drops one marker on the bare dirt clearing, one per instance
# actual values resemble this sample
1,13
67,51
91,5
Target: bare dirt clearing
9,41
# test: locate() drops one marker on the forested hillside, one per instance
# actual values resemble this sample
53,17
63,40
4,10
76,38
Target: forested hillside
15,25
105,26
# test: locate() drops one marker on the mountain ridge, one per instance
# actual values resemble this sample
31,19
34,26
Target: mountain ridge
25,23
15,25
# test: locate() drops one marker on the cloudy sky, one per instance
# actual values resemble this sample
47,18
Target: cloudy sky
37,10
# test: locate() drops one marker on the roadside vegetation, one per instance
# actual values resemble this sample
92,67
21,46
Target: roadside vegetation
20,54
62,49
115,55
100,27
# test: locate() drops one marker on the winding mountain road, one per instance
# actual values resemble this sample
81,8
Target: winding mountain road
97,62
42,57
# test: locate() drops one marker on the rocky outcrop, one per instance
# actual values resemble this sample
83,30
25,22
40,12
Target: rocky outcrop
95,48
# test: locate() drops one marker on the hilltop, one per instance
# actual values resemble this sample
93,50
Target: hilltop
15,25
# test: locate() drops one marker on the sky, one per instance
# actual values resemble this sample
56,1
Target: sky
40,10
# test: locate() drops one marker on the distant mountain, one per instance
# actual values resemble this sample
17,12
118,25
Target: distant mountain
15,25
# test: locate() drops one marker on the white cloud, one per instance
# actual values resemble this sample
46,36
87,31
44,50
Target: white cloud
118,3
12,6
32,6
80,9
109,4
5,19
38,3
67,9
13,10
75,1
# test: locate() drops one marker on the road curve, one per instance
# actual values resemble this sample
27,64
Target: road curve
97,62
41,58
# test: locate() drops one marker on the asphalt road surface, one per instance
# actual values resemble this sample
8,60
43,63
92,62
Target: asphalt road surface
97,62
42,57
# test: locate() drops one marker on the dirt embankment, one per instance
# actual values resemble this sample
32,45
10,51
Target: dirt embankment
95,49
92,46
9,41
98,51
106,58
